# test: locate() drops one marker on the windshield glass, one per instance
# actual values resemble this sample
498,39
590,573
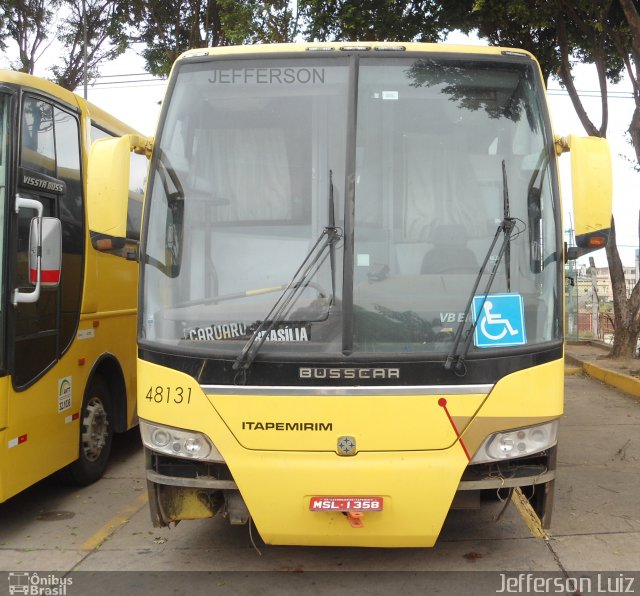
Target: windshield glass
250,160
446,151
254,158
5,119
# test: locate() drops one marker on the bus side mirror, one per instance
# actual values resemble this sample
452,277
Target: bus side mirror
45,251
108,184
50,252
592,183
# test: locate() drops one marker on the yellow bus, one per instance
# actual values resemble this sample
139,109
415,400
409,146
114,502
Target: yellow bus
68,311
351,287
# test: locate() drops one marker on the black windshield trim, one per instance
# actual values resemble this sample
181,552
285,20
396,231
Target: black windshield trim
486,368
349,210
481,355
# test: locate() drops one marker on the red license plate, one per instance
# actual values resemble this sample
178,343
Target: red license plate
345,504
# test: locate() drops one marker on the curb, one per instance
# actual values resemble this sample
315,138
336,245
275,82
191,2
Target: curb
625,383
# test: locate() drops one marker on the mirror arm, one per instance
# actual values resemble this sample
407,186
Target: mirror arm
562,144
141,145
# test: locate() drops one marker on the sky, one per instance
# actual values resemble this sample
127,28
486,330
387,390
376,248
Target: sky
126,91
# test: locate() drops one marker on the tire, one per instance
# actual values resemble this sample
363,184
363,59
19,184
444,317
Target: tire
96,435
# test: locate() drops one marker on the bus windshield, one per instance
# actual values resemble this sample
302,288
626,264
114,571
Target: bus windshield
413,162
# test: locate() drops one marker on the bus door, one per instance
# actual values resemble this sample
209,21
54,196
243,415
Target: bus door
45,398
6,117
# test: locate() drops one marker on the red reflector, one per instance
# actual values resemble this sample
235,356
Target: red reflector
81,361
51,276
103,244
597,242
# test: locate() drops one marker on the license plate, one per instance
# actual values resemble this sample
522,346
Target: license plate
345,504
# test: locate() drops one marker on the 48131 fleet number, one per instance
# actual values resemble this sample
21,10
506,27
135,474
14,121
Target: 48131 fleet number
163,394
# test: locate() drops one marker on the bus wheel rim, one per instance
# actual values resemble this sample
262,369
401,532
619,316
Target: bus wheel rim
95,426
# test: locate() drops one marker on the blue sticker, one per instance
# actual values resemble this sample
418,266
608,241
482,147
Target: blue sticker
499,321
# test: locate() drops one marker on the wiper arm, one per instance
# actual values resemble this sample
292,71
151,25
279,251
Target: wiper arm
175,205
332,245
506,214
168,174
300,280
454,360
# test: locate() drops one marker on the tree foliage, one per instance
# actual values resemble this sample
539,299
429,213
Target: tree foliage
27,22
168,28
561,33
106,39
374,20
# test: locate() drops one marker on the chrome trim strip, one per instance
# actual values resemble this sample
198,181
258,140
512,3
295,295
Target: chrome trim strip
347,390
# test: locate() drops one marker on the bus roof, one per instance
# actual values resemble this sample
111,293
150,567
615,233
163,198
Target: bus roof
96,114
381,46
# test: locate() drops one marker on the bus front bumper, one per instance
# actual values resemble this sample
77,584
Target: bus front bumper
414,494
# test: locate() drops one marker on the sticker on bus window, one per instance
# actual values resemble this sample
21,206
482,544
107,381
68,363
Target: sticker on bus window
284,332
65,394
499,320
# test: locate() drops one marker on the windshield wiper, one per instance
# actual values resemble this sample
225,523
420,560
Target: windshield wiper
454,360
175,208
323,247
505,216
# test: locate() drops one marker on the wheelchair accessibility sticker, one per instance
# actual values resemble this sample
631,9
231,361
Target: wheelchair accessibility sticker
500,323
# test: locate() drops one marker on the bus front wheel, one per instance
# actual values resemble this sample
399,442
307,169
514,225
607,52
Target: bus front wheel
96,435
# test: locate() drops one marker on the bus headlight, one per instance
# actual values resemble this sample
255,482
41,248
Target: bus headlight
178,443
517,443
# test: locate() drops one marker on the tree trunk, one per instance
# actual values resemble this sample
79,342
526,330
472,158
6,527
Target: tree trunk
626,319
624,343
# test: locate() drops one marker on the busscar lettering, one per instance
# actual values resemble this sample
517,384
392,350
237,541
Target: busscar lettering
268,76
349,373
287,426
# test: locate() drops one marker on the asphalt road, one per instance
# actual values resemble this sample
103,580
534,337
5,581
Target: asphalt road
99,539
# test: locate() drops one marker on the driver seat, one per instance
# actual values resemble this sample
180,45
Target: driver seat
450,253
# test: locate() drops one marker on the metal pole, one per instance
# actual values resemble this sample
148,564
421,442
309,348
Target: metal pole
84,45
595,299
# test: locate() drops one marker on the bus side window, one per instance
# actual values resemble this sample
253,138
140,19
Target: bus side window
38,148
71,213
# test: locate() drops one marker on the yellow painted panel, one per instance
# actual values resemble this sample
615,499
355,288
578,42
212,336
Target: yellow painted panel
417,486
592,184
5,384
532,392
313,423
417,490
